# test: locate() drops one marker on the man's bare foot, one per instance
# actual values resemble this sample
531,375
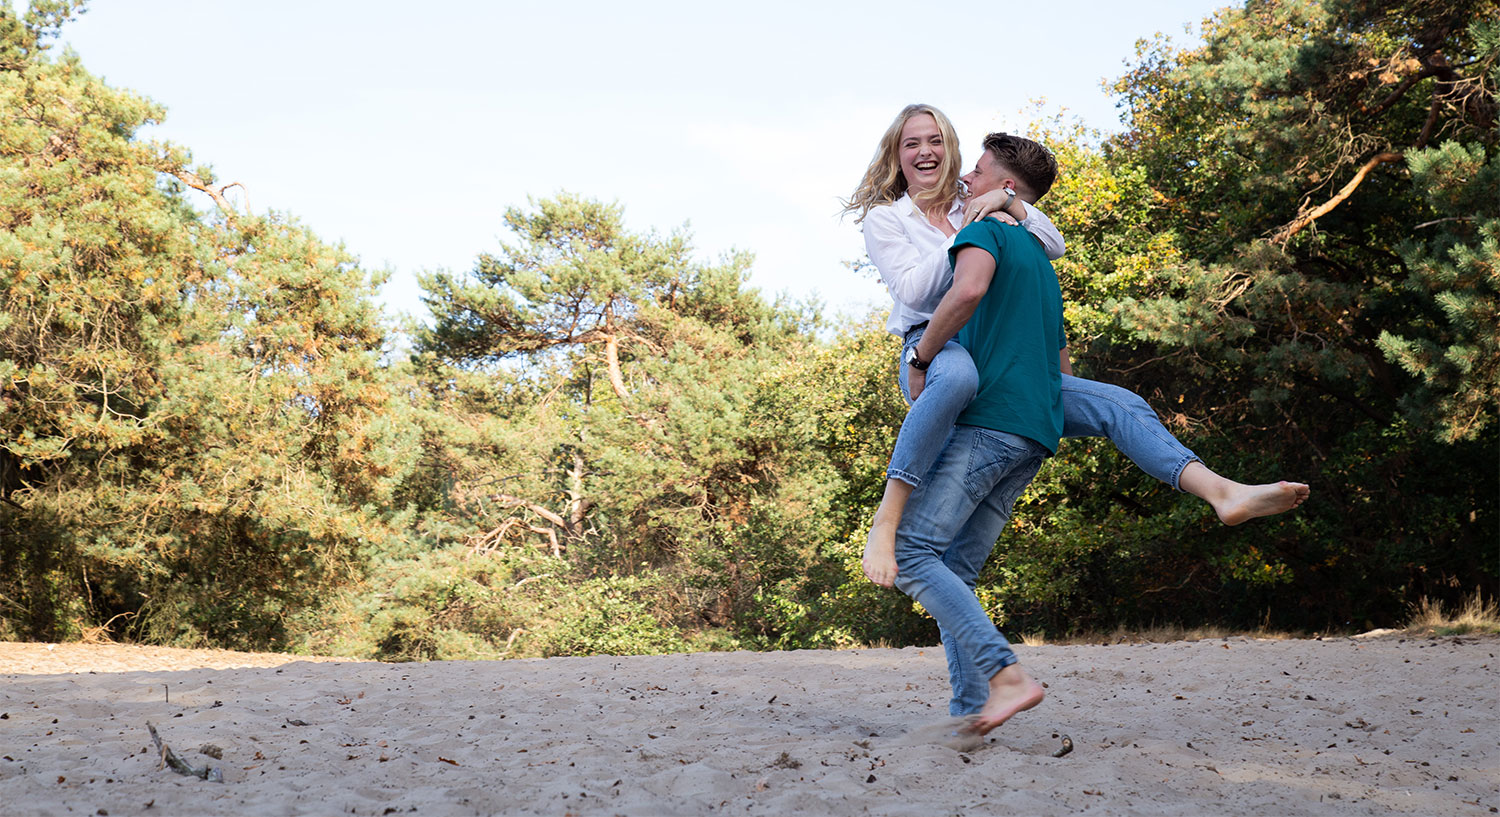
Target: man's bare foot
955,733
880,553
1011,691
1246,502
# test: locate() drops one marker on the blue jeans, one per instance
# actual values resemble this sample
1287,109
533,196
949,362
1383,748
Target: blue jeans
1090,409
947,532
952,382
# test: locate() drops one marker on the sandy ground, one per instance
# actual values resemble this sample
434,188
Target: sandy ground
1382,725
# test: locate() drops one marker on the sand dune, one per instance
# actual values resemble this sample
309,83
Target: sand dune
1386,725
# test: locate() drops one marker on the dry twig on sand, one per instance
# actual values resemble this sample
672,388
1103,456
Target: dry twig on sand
213,774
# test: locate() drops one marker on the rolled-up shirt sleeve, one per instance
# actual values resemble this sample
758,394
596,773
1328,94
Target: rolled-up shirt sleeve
913,280
1037,223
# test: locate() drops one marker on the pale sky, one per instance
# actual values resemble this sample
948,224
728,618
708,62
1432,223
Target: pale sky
406,130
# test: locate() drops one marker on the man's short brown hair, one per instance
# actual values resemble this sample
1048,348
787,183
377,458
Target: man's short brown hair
1033,164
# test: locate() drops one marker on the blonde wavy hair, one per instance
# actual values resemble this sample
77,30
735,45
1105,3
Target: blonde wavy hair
883,182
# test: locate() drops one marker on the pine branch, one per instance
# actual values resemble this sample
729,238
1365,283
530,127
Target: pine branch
1302,221
196,182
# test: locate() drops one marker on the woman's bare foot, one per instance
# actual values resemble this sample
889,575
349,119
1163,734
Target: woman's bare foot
1236,502
1252,501
880,554
880,545
1011,691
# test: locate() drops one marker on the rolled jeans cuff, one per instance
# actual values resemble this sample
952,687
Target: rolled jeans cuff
1182,466
909,479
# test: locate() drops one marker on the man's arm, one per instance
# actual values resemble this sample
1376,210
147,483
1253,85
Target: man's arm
973,270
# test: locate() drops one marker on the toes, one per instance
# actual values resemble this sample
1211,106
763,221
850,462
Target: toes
879,572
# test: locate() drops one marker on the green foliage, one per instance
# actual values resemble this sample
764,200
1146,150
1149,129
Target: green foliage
604,445
1284,322
1115,243
646,454
459,603
195,430
609,616
838,411
1457,270
1324,312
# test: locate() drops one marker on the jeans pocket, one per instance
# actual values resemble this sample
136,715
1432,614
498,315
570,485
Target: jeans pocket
994,457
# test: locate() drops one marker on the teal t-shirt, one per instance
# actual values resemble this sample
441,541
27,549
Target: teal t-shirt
1015,336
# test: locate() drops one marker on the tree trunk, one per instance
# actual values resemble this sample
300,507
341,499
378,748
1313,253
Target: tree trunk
578,507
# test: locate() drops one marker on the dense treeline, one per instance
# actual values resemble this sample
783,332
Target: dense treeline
1328,173
601,444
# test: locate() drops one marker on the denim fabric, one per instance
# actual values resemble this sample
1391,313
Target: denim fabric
951,384
1094,409
1090,409
947,532
970,549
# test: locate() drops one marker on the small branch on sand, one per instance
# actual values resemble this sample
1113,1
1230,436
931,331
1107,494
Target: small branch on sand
212,774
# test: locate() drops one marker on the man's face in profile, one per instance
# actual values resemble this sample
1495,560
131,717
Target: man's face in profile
987,175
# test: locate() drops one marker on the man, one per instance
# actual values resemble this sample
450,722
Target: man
1005,308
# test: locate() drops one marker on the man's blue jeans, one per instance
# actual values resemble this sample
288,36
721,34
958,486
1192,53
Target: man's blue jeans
1090,409
947,532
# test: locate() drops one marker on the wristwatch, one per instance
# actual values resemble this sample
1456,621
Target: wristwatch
914,361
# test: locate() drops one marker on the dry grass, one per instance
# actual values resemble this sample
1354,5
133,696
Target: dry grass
1474,615
1159,634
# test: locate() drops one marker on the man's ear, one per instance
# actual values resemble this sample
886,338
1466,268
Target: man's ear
1022,191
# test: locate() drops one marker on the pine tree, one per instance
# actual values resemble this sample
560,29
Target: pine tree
196,436
616,375
1326,171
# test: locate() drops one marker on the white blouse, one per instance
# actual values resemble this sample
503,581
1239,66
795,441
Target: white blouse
912,255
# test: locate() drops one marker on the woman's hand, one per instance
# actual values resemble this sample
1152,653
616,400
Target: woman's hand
989,205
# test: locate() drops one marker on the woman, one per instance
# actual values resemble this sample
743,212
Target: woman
911,205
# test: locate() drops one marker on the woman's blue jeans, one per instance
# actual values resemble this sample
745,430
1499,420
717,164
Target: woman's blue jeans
1090,409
